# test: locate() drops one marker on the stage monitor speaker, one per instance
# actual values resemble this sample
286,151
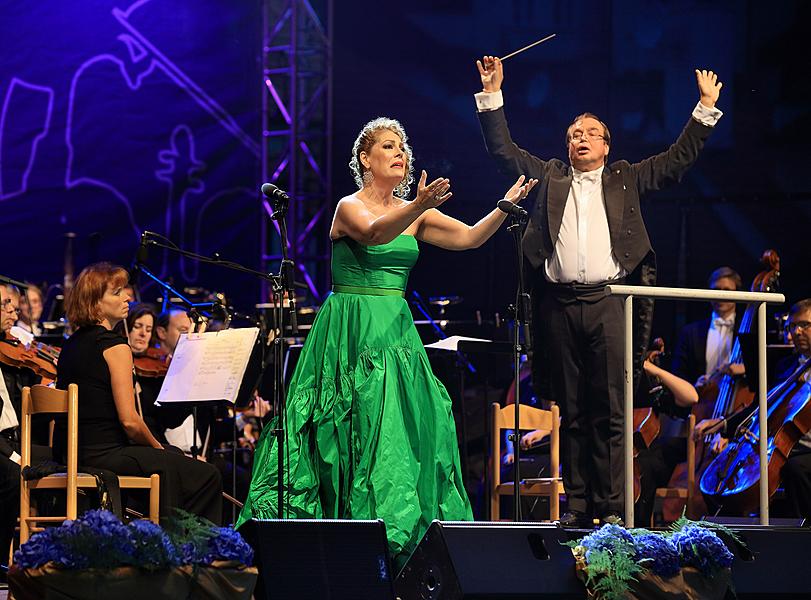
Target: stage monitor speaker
462,560
774,566
321,558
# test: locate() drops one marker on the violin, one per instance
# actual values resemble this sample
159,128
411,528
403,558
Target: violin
152,363
38,357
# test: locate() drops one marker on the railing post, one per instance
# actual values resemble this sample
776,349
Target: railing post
628,424
759,298
762,421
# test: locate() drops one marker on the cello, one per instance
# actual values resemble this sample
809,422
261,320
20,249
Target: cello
732,480
721,396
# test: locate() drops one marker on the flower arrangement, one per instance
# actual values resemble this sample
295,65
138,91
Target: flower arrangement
99,540
612,558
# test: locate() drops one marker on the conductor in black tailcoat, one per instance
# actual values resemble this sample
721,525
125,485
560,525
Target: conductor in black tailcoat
585,231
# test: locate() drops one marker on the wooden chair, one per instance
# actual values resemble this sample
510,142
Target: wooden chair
529,418
681,495
42,399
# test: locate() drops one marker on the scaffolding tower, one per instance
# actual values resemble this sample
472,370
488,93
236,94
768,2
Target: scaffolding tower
296,127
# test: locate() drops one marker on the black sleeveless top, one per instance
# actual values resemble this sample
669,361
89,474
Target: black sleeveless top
82,362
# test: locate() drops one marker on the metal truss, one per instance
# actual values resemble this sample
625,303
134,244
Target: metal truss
296,128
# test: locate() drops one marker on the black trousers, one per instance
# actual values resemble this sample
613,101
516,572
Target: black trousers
797,481
585,342
9,503
186,483
10,494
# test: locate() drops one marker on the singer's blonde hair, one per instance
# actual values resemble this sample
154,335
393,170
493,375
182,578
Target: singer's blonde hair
364,142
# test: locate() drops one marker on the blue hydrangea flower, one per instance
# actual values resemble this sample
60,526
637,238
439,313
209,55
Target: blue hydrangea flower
41,548
152,548
701,548
657,553
98,539
228,545
607,537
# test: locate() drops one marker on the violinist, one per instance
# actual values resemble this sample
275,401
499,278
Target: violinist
15,377
12,381
112,435
796,473
31,306
140,324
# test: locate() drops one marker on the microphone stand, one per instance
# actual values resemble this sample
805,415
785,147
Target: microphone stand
282,286
279,283
522,309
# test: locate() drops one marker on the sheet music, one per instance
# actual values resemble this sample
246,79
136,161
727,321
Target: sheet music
208,366
452,342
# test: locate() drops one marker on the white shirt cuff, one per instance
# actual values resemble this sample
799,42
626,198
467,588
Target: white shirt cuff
705,115
487,101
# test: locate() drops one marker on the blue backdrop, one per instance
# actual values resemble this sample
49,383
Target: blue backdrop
117,117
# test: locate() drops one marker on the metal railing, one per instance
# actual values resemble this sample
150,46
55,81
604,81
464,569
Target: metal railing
641,291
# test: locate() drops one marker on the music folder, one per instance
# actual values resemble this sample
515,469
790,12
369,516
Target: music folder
208,367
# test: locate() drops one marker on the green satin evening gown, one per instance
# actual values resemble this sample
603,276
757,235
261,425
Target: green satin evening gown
370,433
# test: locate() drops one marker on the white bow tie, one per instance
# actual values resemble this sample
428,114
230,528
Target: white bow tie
719,322
588,176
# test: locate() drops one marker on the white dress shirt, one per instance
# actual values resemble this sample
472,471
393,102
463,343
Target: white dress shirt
719,342
583,251
8,418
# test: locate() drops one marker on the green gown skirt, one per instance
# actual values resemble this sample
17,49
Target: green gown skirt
370,433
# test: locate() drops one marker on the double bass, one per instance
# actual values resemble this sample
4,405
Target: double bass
721,396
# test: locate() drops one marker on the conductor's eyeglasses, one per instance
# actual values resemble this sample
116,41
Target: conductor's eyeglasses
578,136
795,326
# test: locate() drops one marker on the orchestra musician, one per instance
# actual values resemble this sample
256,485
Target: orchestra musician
31,305
796,473
12,380
704,347
112,434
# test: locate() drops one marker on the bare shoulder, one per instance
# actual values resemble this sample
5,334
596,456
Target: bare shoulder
350,199
118,355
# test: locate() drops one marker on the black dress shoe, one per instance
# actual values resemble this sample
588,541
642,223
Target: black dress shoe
612,519
575,520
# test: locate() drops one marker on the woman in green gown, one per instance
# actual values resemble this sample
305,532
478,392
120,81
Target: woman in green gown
369,429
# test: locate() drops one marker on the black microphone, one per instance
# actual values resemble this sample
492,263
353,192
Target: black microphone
142,254
273,192
508,207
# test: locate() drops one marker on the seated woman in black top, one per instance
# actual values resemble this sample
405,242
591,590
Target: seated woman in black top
112,435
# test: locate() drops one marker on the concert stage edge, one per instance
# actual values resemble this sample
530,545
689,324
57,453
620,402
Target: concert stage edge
482,560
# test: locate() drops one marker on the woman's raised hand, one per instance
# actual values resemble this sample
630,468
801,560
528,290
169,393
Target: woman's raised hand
433,194
520,190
